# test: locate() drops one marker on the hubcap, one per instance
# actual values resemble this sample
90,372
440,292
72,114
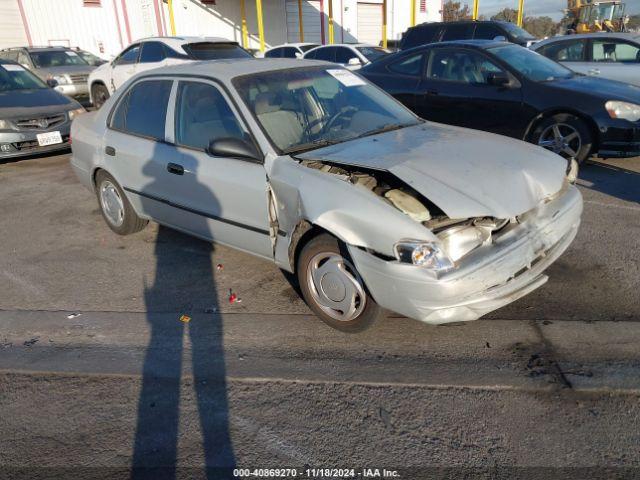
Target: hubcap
111,203
335,286
562,139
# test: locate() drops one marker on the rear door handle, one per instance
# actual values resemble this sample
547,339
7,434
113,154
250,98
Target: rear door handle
432,92
175,169
110,151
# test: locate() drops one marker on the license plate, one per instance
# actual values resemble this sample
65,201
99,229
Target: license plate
49,138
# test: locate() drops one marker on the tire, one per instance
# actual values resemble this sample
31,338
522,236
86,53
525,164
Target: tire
564,134
115,207
99,94
326,274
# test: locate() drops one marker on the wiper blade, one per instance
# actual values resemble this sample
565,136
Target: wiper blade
311,145
385,128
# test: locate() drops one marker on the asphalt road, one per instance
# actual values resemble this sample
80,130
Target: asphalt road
98,372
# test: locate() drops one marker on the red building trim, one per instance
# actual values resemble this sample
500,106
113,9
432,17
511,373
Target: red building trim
115,11
24,22
322,20
126,19
164,23
158,21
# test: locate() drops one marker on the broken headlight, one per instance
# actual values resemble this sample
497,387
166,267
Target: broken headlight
462,239
424,254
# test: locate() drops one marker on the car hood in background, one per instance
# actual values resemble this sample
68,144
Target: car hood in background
64,70
33,103
599,87
466,173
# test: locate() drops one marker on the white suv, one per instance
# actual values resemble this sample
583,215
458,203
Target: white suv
156,52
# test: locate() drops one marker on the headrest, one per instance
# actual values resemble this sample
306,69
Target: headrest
266,103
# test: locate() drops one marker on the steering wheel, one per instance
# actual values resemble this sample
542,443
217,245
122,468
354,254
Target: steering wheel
344,111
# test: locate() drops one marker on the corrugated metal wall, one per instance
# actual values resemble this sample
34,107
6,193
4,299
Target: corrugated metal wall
12,32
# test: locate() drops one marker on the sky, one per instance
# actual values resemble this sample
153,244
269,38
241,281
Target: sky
551,8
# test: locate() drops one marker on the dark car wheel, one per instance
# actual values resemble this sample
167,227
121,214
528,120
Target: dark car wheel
116,209
566,135
332,287
100,94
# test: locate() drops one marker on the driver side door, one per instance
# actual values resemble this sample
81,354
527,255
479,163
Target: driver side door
124,67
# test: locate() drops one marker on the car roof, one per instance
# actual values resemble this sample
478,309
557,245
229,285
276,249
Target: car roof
623,36
459,22
481,44
227,69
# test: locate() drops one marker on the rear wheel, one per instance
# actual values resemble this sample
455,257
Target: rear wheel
333,288
100,94
116,209
566,135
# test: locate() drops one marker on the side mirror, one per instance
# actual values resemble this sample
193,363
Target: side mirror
53,83
354,61
298,55
498,79
500,38
232,147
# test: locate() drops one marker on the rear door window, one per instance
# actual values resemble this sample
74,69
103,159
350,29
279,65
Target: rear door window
461,31
152,52
143,109
420,36
327,54
567,51
344,54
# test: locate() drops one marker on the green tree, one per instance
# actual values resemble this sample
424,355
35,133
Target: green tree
452,11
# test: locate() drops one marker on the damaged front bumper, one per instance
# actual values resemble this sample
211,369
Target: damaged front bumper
487,279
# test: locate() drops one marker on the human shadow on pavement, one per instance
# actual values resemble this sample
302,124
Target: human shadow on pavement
611,180
155,452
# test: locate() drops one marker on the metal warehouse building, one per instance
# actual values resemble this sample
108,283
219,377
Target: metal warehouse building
105,27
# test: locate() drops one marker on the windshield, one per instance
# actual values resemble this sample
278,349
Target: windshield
14,77
306,48
531,64
56,58
215,51
305,108
372,53
517,32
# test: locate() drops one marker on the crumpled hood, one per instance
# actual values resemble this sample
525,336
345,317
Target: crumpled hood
467,173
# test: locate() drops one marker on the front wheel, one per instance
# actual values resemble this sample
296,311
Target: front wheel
333,288
100,94
566,135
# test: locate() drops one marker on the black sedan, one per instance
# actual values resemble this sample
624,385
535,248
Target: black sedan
507,89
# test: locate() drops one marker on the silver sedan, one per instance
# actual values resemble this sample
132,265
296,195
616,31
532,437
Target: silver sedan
307,164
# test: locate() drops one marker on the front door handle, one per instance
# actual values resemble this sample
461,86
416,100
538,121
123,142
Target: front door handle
110,151
594,71
432,92
175,169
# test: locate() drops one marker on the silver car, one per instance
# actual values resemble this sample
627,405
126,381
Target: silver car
63,68
615,56
307,164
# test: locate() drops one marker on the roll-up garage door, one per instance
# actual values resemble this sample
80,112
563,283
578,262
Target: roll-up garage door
369,23
310,21
12,33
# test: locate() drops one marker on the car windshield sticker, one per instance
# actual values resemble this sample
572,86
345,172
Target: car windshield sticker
12,68
72,54
345,77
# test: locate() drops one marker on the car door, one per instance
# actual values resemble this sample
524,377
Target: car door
124,67
226,197
458,89
152,55
135,150
572,53
615,59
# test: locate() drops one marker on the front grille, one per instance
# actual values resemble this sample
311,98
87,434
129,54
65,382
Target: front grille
42,123
33,144
79,77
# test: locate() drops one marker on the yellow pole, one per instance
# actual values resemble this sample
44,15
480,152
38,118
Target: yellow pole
384,23
172,20
245,32
260,24
413,12
520,12
300,21
330,21
475,9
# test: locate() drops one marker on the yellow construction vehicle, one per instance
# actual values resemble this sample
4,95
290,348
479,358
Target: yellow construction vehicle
596,16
